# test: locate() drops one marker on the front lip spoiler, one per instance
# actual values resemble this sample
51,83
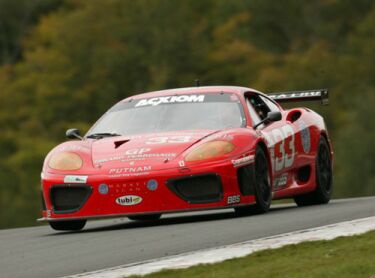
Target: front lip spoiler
47,219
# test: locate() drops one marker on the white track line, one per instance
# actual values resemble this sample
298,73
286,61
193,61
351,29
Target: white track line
237,250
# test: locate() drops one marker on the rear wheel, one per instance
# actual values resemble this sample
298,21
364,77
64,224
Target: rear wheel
68,225
323,172
263,192
146,217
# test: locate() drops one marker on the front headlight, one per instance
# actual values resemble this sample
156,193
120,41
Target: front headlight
210,150
65,161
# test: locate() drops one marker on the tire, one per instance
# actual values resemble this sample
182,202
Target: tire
146,217
69,225
323,173
263,192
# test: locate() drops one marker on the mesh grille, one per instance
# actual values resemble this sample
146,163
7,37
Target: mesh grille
198,189
69,199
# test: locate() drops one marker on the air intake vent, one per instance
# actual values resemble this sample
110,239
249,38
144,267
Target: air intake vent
43,201
246,179
198,189
68,199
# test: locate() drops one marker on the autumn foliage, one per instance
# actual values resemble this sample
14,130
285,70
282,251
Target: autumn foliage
64,63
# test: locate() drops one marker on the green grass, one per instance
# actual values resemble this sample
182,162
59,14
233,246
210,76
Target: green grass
282,201
342,257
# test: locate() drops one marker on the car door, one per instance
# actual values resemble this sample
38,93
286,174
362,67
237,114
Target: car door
280,137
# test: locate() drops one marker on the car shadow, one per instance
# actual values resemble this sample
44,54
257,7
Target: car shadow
175,220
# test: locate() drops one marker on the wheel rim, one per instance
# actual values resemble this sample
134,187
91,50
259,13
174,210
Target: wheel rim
262,178
324,169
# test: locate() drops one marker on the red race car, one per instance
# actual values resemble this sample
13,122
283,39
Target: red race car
190,149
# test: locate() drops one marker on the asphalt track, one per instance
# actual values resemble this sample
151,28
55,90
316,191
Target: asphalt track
42,252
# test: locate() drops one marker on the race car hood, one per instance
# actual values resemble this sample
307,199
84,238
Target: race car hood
138,154
152,151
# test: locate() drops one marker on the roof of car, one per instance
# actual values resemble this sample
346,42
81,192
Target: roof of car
192,90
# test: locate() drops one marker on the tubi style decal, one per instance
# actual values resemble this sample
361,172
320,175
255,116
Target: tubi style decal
128,200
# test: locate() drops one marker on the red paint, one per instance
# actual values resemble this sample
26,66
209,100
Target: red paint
125,164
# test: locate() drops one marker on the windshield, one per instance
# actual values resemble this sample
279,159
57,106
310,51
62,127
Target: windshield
172,113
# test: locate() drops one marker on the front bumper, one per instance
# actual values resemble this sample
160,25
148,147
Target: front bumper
162,199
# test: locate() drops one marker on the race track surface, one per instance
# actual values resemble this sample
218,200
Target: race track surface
42,252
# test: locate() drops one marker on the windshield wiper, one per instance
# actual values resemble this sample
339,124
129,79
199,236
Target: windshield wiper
102,135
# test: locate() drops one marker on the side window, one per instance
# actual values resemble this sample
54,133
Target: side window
253,115
271,105
260,108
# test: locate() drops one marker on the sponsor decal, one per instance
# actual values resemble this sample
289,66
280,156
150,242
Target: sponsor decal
75,179
305,137
133,157
235,199
297,95
129,186
108,159
181,163
152,185
48,213
243,161
128,200
150,155
130,174
103,189
170,99
281,181
124,170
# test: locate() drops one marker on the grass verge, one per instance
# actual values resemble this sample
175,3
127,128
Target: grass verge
343,257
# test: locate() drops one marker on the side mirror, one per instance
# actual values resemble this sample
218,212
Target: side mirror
273,116
73,133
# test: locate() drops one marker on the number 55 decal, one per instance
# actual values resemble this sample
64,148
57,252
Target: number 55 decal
284,149
166,140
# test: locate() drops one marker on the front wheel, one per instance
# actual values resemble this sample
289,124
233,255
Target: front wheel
323,172
68,225
263,192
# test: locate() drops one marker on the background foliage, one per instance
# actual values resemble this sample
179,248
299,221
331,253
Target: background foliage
64,63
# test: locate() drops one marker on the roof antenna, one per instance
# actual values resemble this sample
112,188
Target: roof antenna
197,83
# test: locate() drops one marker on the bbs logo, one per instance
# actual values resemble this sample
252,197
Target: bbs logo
235,199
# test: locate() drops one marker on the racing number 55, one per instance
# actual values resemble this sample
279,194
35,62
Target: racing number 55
166,140
284,146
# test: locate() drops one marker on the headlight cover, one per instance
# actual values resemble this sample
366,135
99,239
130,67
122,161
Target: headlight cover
210,150
65,161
